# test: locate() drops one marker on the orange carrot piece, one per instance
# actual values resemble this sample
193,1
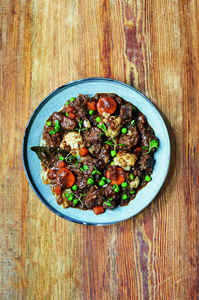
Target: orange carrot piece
116,179
98,210
83,151
106,104
92,105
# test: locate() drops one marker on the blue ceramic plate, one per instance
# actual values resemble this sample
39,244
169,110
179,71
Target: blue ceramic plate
54,102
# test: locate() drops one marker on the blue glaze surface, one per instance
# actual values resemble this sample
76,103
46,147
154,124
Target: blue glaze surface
54,102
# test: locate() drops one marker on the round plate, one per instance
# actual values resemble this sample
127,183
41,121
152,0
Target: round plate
54,102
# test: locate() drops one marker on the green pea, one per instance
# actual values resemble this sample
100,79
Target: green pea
102,182
74,187
124,184
147,178
90,181
61,158
132,192
117,189
72,99
70,197
67,103
66,195
91,112
124,197
98,119
113,153
112,163
48,123
124,130
131,176
103,178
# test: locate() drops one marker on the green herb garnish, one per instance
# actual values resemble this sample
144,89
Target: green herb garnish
80,126
76,199
56,128
152,144
84,168
114,142
108,202
133,122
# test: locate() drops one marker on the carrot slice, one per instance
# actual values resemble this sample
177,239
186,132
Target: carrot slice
138,149
83,151
98,210
72,115
116,175
92,105
70,109
65,178
61,164
58,190
106,104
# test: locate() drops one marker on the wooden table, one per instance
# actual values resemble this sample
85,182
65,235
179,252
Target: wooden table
151,45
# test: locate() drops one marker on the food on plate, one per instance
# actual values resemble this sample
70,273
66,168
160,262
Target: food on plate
97,152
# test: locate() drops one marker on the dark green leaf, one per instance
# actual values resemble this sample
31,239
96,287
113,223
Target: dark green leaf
47,154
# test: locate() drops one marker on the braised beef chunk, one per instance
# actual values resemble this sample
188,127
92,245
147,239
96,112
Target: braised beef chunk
82,181
104,153
146,161
52,140
146,137
131,138
105,173
80,101
93,197
126,112
66,123
93,135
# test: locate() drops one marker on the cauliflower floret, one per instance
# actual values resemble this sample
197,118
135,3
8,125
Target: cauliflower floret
114,129
125,160
105,115
72,139
134,183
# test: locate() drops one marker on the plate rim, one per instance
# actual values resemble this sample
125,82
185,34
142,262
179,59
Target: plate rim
31,120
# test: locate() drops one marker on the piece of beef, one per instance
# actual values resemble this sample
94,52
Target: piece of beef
65,122
80,101
104,153
145,161
81,181
92,135
126,112
109,193
146,137
93,197
131,138
52,140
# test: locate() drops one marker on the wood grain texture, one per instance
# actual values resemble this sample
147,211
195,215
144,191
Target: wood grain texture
151,45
